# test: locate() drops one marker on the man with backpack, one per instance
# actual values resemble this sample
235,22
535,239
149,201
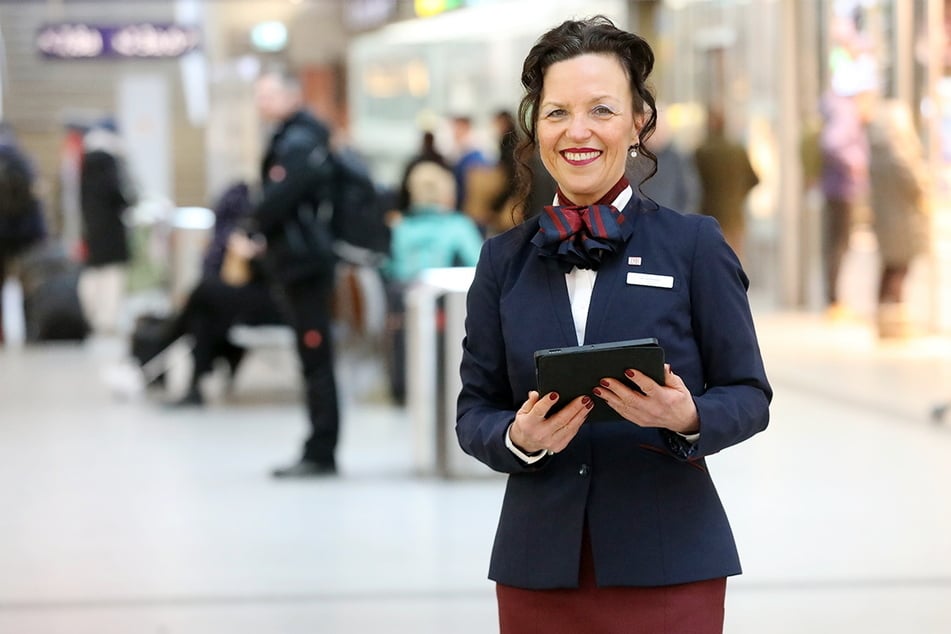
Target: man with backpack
296,180
21,217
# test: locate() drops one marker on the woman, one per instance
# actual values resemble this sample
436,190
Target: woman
430,235
427,153
233,289
608,526
898,183
105,196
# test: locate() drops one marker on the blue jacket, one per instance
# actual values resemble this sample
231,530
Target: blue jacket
651,507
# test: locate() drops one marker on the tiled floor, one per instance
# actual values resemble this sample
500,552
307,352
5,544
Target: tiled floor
118,515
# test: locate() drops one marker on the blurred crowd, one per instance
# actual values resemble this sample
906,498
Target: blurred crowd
271,261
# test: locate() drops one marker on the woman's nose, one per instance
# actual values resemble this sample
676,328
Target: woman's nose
578,128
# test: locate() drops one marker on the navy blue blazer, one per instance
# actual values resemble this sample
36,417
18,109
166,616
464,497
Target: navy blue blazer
651,507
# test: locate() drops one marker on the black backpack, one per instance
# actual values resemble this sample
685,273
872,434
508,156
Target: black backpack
16,183
357,209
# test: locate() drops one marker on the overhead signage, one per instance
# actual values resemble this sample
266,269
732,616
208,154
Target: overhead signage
140,40
429,8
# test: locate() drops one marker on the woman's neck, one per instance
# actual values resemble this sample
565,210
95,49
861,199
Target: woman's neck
605,199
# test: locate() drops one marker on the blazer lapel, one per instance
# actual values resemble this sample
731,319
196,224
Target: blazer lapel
558,294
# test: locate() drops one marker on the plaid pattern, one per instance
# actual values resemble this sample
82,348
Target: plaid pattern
582,236
579,236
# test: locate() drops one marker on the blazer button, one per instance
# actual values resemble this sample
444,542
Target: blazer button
583,470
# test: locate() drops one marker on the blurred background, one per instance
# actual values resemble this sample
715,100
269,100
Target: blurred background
120,513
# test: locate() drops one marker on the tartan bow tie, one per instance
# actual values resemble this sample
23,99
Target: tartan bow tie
581,236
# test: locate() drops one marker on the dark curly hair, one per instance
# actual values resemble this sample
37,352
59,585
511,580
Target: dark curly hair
571,39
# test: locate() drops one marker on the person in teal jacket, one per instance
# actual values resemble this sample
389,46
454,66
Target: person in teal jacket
431,234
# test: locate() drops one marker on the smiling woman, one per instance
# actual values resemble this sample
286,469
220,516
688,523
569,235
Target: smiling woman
586,125
611,525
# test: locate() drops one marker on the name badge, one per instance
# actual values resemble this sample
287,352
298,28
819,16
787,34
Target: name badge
646,279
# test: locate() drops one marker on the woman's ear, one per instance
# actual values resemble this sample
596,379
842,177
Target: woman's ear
639,121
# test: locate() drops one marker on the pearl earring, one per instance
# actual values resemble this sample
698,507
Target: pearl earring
634,151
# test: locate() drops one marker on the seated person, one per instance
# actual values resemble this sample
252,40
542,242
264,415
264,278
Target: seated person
220,301
431,234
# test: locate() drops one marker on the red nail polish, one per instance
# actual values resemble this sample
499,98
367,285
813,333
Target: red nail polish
604,383
585,400
589,405
629,373
553,396
596,391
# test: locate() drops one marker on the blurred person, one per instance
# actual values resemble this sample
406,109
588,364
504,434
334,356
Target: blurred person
467,157
613,526
21,215
427,152
676,184
299,255
430,235
543,187
502,203
898,184
845,108
490,187
233,290
106,194
488,200
726,178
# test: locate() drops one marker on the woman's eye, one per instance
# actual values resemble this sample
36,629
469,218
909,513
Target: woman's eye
602,111
557,113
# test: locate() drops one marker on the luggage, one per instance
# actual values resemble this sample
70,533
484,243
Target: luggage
150,338
51,307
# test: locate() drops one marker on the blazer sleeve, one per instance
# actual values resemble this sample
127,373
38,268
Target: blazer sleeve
735,401
486,406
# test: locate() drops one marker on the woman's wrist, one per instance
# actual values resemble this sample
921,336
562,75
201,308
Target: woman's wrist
518,439
691,425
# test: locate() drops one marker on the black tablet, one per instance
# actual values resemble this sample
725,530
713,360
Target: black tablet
577,370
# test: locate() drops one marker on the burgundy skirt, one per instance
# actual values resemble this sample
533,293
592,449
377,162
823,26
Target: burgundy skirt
689,608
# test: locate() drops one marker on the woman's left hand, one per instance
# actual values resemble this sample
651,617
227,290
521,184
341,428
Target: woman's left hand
669,406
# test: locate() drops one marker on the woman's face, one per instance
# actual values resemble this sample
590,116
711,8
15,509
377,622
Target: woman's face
586,124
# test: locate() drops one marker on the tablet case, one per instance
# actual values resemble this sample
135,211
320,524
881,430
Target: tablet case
577,370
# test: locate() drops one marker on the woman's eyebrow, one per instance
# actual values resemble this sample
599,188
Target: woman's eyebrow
591,102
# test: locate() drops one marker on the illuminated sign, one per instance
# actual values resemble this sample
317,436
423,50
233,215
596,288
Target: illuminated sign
269,37
427,8
142,40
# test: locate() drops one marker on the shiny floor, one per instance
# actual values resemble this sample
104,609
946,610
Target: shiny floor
119,515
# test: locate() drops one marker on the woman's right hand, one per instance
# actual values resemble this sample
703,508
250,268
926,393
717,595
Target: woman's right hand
532,431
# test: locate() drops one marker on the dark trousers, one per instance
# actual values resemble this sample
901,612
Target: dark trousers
3,277
395,355
892,282
837,226
210,311
308,309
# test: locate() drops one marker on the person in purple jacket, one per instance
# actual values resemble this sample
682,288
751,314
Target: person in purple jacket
846,109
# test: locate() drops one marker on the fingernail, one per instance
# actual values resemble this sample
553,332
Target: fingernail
553,396
604,383
585,400
596,391
629,373
589,405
